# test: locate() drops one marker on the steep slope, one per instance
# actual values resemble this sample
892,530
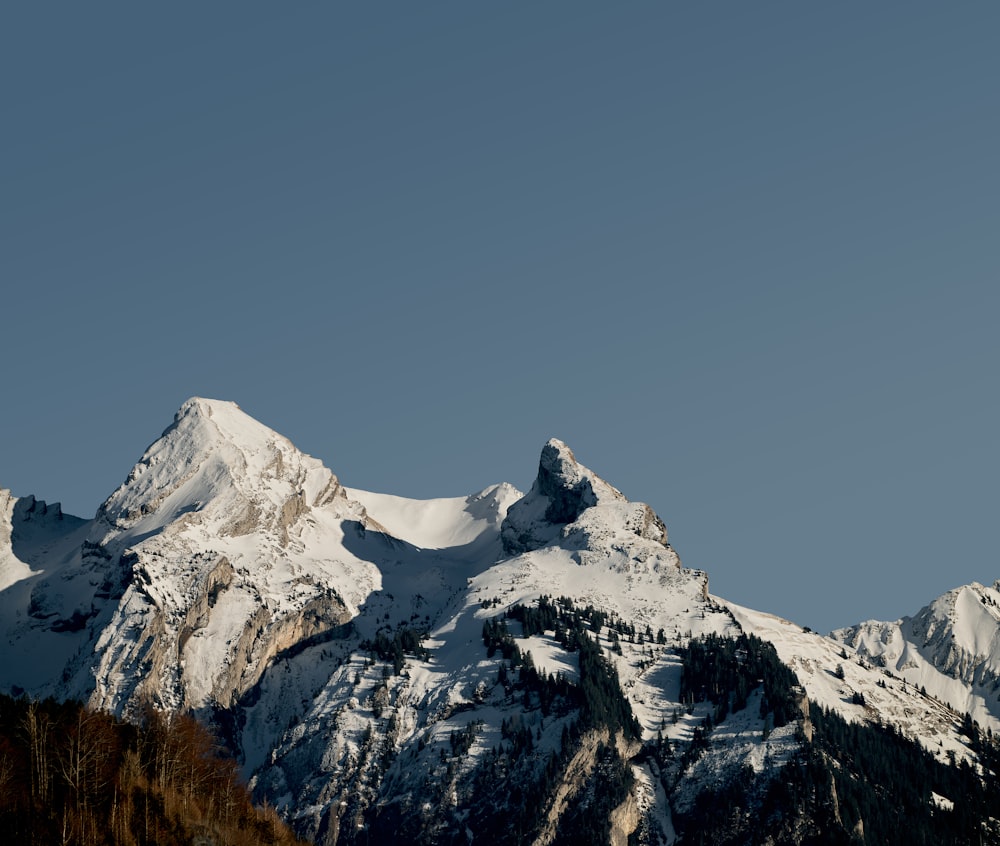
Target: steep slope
515,668
381,735
950,648
844,680
46,596
12,568
222,549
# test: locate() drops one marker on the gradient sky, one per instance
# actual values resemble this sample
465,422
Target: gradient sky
742,257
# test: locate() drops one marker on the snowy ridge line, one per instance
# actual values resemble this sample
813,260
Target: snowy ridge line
336,636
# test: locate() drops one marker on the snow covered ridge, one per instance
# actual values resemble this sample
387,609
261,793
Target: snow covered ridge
950,648
336,635
222,548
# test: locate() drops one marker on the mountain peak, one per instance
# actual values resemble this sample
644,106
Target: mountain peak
954,637
204,405
569,486
215,457
562,492
212,419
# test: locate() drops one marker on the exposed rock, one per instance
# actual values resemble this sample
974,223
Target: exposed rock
624,820
215,580
12,569
240,672
574,776
569,487
291,510
562,493
806,721
246,523
306,626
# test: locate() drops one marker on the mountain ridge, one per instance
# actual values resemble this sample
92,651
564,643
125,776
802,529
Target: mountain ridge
367,655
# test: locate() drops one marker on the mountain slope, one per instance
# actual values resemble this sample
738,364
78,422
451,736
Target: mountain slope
950,648
597,551
221,549
534,667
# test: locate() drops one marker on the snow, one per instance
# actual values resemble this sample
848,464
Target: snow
975,628
737,742
38,586
209,649
887,697
442,567
549,656
225,534
12,568
950,648
942,802
439,523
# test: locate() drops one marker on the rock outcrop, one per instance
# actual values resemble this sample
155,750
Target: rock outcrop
561,495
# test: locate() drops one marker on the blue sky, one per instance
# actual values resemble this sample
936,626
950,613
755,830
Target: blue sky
741,257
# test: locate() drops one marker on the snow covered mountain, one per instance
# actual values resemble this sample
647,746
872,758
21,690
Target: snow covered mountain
503,666
950,648
221,549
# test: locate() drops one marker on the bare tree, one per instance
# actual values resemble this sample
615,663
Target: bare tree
37,727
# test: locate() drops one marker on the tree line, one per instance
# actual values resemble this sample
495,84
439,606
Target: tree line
726,670
854,783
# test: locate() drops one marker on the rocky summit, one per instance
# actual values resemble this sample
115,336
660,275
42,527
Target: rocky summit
497,667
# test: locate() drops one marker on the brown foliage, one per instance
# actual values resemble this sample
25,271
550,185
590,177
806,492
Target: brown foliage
82,778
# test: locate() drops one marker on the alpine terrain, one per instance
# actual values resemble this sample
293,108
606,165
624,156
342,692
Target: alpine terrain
498,668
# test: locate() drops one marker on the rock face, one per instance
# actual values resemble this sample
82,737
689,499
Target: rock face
563,492
221,550
12,569
581,770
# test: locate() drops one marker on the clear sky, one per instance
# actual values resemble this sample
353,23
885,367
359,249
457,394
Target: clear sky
742,257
